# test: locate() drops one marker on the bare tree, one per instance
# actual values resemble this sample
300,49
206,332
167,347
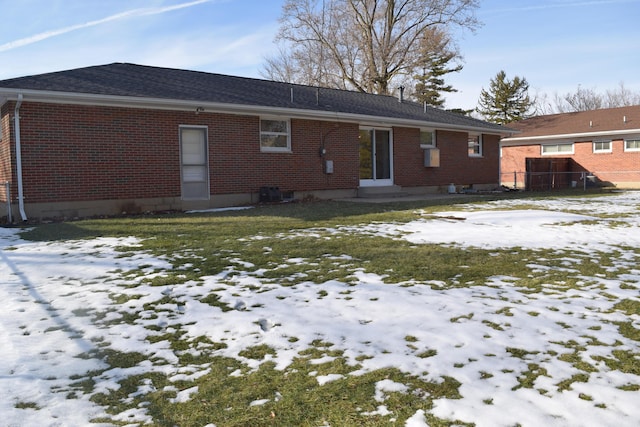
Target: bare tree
366,45
589,99
542,105
621,97
281,68
580,100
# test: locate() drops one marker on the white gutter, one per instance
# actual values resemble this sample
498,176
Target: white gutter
16,118
228,108
570,136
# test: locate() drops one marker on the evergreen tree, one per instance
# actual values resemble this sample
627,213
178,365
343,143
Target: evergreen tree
506,100
461,111
430,85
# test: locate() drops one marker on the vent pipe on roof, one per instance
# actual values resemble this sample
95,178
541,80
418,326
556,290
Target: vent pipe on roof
317,96
292,95
590,123
16,118
401,94
425,107
624,119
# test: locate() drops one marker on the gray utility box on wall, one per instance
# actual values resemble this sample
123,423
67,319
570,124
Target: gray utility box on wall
432,157
328,166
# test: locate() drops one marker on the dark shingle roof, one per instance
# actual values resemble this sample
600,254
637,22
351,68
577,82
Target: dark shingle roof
130,80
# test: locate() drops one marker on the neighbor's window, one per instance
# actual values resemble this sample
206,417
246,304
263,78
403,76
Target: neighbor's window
550,149
275,135
602,146
632,145
427,138
475,145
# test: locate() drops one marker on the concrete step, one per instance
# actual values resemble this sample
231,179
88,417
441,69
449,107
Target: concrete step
388,191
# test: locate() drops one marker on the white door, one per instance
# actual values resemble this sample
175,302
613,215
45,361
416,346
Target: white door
376,157
194,163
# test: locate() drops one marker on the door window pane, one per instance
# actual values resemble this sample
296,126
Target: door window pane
366,154
383,155
193,150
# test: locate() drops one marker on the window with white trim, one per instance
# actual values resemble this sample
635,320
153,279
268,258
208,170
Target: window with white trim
474,144
275,134
427,138
551,149
602,147
632,145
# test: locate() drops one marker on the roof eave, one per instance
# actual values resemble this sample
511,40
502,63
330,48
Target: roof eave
522,140
217,107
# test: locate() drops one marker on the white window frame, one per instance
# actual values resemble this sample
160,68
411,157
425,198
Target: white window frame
636,142
433,138
598,150
474,142
287,134
557,153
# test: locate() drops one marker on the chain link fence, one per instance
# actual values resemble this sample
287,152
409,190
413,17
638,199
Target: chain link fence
556,180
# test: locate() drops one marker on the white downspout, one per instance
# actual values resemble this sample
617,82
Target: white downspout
16,117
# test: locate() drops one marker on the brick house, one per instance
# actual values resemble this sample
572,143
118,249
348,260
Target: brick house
598,147
125,137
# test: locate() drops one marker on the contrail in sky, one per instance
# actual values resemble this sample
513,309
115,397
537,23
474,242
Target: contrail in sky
128,14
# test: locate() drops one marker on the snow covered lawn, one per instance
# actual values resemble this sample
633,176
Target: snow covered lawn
81,316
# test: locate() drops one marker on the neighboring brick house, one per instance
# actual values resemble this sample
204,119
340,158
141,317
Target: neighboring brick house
125,137
598,147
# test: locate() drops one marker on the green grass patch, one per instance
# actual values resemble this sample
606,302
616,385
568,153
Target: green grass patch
294,397
628,306
527,378
26,405
577,362
565,385
258,352
623,361
270,241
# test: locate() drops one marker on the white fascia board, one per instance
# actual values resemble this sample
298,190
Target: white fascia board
529,140
243,109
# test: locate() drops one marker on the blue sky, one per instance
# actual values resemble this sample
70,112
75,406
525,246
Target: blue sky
555,44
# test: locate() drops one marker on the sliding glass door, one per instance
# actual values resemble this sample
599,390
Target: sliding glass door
376,157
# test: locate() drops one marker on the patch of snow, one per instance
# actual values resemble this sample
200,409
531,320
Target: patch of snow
417,420
381,410
214,210
184,395
387,386
53,292
323,379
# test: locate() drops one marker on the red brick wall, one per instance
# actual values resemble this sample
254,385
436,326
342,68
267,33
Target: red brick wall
455,164
5,151
617,167
238,165
84,153
90,153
